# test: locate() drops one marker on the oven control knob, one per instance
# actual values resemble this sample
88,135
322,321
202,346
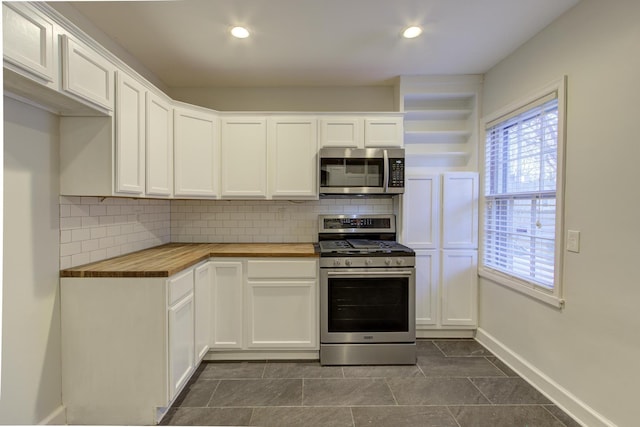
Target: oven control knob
368,261
387,261
347,262
399,261
336,262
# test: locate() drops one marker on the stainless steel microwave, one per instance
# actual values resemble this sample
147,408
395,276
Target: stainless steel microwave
362,170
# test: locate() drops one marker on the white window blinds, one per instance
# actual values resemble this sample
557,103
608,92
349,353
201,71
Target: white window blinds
521,175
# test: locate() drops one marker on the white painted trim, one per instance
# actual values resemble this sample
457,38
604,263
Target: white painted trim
57,417
262,355
563,398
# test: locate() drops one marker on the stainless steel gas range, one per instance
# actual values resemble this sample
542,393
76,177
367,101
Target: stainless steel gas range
367,292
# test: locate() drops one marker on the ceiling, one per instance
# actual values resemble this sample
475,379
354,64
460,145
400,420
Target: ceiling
317,42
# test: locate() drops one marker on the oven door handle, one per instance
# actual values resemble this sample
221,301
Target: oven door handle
370,273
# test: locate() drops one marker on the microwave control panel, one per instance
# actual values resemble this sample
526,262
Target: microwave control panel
396,173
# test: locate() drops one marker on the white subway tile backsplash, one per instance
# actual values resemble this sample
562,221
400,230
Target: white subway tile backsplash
96,228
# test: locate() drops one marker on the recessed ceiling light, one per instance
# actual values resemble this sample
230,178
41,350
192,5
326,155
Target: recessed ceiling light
240,32
412,32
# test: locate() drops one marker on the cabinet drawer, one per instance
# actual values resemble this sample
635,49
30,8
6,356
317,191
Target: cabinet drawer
180,285
281,269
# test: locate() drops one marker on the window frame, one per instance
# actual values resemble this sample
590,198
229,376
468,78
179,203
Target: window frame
553,296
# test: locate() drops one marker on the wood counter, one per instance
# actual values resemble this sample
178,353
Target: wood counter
167,260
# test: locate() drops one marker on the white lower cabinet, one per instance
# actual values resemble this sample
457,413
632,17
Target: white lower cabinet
427,292
459,286
264,304
202,292
181,343
227,282
128,346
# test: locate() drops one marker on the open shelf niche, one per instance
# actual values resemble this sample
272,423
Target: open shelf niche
441,121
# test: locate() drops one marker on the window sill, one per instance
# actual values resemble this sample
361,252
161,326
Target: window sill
521,286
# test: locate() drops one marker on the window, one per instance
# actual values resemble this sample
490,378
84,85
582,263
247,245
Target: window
522,196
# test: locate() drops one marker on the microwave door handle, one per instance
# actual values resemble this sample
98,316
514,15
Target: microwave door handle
386,170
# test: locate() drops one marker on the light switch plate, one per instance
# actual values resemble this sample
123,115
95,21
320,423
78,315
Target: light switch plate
573,241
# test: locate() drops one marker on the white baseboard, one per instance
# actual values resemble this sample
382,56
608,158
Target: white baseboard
57,417
262,355
565,400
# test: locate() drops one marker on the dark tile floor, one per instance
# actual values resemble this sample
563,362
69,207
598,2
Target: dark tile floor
456,383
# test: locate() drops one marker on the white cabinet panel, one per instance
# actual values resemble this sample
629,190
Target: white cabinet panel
459,282
86,74
226,304
427,264
293,161
202,297
181,348
275,269
281,314
196,150
341,132
159,145
244,157
130,140
28,41
460,210
383,132
421,211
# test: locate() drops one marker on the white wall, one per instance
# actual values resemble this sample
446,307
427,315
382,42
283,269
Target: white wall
352,98
31,379
591,347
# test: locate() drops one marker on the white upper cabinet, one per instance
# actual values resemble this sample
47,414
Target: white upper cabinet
341,132
383,132
361,132
196,151
86,74
159,145
130,135
421,211
460,210
293,148
244,157
28,42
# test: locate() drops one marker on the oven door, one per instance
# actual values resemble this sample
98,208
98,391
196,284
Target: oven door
367,305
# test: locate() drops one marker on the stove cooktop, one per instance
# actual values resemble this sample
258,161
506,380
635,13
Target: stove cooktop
363,247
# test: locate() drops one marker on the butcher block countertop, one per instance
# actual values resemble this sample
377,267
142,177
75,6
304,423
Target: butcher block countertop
167,260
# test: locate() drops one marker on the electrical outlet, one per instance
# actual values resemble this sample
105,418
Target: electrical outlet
573,241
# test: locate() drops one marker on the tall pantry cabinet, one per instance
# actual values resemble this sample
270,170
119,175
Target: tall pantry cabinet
440,222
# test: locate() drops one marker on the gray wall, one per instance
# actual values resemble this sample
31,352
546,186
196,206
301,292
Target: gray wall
31,379
590,348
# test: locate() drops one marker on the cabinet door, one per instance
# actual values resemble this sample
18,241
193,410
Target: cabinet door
459,281
281,314
196,151
244,157
181,348
226,304
460,210
159,144
293,161
341,132
421,211
427,264
202,291
28,41
383,132
130,141
86,74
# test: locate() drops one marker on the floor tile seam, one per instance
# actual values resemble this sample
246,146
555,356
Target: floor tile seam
479,391
498,368
213,392
553,415
353,418
391,391
438,347
452,416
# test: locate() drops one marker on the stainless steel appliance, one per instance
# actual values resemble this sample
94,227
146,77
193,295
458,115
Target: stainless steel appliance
362,171
367,292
